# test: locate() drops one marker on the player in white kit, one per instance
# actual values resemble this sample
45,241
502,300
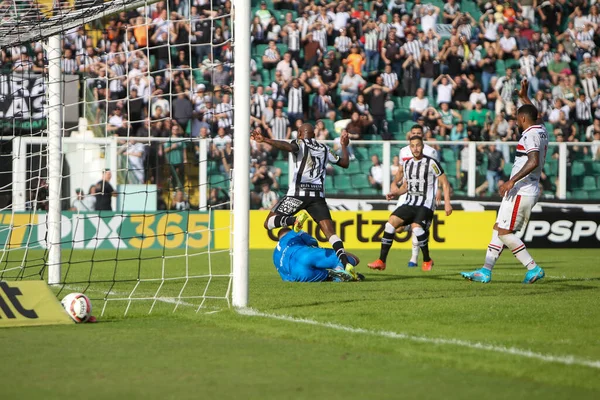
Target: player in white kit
405,155
520,193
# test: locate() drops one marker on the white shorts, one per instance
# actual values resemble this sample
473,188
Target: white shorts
401,200
515,211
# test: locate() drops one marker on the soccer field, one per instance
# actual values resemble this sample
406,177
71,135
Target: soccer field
402,333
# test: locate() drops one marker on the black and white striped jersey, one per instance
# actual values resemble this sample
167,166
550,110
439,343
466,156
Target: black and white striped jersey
421,178
310,165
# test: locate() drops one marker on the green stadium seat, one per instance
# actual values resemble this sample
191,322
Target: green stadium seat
551,167
406,125
397,101
406,101
260,49
330,126
589,183
402,115
353,168
360,182
283,165
452,180
594,194
342,182
266,76
283,48
448,155
389,115
580,195
329,186
361,153
578,168
365,166
511,63
219,181
370,191
508,168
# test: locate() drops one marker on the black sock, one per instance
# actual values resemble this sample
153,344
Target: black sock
386,244
338,246
424,245
283,221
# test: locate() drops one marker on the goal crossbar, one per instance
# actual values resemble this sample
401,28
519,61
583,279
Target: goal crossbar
33,25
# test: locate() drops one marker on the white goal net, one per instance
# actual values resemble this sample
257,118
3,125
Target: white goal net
116,150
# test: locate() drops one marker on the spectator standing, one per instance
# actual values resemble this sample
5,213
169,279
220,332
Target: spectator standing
176,155
418,104
376,173
505,87
377,99
268,198
495,168
105,192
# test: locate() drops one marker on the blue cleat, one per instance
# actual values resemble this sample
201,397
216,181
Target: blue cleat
339,274
411,264
479,275
534,275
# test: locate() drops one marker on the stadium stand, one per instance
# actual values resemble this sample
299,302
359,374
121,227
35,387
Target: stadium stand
326,60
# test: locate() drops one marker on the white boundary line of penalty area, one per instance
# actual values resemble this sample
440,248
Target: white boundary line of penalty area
565,360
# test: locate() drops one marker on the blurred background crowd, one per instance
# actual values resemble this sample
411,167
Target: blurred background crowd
373,68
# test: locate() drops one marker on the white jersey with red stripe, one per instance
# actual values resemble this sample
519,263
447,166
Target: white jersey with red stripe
406,154
534,138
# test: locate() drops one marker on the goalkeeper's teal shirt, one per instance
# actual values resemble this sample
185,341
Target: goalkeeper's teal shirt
298,258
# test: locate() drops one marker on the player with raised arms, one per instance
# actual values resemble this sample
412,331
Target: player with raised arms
298,258
520,193
420,183
306,193
405,155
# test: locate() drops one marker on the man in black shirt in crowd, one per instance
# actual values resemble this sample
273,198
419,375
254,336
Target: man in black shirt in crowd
494,169
378,96
105,192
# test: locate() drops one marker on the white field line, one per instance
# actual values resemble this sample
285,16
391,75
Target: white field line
566,360
550,277
170,300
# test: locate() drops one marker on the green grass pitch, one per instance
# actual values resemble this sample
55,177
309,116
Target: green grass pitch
401,334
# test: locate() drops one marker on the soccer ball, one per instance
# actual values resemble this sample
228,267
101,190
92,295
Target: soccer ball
78,306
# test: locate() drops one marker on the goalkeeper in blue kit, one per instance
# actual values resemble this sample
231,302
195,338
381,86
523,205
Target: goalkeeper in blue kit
298,258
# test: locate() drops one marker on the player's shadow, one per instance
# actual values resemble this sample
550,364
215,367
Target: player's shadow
375,277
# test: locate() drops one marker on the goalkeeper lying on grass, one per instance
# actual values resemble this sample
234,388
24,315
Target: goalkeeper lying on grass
298,258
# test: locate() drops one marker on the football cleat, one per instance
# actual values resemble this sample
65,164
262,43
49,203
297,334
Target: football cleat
412,264
350,269
301,218
427,265
534,275
377,264
339,274
479,275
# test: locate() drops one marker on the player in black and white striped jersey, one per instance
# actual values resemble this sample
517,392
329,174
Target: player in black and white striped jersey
307,192
421,174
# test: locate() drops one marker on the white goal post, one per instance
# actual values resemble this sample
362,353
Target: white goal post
36,25
241,181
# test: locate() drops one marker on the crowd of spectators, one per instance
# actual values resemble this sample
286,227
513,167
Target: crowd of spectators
452,67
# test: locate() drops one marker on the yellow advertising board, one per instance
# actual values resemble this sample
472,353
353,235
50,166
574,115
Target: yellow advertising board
364,229
30,303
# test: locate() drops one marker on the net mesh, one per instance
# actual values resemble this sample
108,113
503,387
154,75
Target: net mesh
144,189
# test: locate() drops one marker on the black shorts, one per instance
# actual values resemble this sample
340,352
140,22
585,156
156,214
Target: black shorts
414,214
316,207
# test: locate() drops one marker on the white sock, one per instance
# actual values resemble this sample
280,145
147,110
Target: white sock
519,250
414,258
494,250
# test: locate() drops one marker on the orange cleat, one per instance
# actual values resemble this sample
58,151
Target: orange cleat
427,265
378,265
